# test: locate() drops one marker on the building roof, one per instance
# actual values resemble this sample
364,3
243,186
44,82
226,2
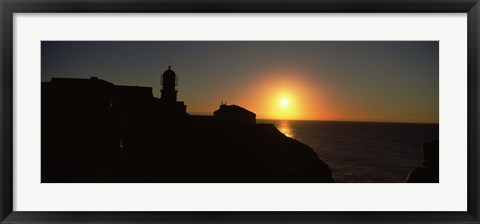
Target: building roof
169,72
96,85
79,81
232,109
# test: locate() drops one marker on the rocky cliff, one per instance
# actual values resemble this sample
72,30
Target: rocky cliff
104,136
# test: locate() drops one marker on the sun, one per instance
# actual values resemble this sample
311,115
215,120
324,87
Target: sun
284,102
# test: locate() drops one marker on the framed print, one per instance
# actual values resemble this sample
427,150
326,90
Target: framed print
261,111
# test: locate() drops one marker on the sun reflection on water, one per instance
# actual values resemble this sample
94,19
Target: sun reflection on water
285,128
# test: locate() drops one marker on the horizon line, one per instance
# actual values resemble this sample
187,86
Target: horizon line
279,119
398,122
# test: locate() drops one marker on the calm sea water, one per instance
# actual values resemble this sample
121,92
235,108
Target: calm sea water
362,151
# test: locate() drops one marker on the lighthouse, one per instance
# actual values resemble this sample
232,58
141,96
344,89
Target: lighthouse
168,98
169,82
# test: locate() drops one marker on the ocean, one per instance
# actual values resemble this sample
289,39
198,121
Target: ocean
363,152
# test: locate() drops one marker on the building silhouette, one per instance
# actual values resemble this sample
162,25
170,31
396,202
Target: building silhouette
94,131
168,98
92,94
234,115
97,94
169,83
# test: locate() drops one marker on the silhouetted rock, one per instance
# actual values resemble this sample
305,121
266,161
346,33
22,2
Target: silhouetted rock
430,171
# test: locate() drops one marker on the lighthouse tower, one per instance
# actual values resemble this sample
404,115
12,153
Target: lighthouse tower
169,82
168,99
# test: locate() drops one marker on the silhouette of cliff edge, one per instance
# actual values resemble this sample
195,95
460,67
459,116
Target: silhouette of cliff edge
95,132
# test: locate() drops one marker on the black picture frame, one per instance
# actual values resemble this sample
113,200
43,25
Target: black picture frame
9,7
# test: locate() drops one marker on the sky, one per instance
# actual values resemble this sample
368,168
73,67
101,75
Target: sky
380,81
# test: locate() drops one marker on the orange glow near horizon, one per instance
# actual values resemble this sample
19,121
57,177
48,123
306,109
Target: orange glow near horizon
280,95
297,95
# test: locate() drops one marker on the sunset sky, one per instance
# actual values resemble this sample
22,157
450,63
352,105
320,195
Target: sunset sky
394,81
